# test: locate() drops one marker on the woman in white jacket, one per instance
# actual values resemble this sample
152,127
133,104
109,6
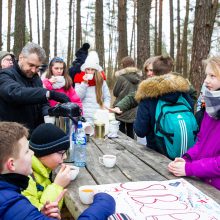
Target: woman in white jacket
91,87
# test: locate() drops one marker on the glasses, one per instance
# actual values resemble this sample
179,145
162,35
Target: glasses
62,153
8,60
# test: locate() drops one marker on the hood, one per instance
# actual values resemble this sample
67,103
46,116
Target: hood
128,70
161,85
133,78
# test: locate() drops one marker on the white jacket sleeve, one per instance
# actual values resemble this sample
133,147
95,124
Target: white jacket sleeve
81,89
106,95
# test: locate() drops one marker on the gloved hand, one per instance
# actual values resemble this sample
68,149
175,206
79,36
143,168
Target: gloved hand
59,97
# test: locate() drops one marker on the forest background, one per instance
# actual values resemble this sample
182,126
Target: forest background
186,30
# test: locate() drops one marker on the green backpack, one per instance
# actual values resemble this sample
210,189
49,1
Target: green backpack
176,124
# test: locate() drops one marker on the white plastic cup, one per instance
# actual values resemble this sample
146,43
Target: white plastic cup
89,76
88,128
113,129
86,194
74,171
108,160
49,119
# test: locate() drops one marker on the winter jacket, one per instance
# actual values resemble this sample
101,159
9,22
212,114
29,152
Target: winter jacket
88,97
102,207
127,82
71,93
15,206
22,99
40,189
167,87
203,159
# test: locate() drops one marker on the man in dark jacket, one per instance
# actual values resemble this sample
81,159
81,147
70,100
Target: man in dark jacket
22,97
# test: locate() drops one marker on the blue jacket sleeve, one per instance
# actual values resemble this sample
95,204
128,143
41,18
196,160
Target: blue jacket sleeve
102,207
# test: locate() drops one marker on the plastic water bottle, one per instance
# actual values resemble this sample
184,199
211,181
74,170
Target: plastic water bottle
80,146
70,152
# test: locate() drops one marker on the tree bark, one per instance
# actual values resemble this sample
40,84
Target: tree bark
178,38
69,34
9,25
205,14
19,31
185,42
122,30
78,25
143,35
30,20
55,31
171,30
155,30
38,23
46,39
1,43
159,47
99,32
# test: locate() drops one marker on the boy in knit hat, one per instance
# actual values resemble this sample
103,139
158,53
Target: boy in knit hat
15,166
6,59
49,144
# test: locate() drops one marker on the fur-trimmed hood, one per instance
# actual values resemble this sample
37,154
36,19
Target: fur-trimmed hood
161,85
128,70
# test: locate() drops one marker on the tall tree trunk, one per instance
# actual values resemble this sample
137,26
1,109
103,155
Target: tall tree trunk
42,21
38,23
143,35
185,42
78,25
159,48
69,34
46,39
9,25
133,31
1,43
55,31
178,38
30,20
155,30
171,30
205,14
73,37
19,31
99,32
122,30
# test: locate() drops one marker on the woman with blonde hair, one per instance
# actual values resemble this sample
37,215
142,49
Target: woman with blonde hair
91,87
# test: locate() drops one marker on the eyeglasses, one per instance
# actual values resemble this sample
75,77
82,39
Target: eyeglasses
62,153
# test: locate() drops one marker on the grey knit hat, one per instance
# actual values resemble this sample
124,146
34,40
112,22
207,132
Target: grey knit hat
47,139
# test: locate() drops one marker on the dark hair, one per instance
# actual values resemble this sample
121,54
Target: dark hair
127,62
10,134
68,80
162,65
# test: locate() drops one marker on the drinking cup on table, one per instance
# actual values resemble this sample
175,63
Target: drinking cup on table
86,194
49,119
74,171
108,160
88,128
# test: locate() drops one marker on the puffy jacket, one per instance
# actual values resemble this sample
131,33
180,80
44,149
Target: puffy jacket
87,95
127,82
203,159
167,87
71,93
22,99
102,207
15,206
40,189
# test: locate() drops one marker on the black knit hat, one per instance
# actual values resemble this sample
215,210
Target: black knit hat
47,139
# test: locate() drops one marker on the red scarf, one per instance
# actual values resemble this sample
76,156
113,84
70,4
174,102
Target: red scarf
79,78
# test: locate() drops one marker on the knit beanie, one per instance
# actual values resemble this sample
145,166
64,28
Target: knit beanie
92,61
47,139
82,53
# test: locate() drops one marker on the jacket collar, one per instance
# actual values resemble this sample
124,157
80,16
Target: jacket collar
157,86
128,70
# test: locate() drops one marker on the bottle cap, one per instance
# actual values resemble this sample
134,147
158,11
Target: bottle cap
79,124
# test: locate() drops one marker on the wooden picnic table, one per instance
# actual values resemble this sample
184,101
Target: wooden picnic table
135,162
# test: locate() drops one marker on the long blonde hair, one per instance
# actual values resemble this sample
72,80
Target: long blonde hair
98,88
214,62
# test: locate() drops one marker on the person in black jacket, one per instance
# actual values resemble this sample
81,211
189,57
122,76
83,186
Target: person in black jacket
22,97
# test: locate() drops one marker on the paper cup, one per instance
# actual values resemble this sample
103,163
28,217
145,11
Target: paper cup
49,119
88,128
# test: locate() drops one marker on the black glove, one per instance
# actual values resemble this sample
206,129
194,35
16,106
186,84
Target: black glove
59,97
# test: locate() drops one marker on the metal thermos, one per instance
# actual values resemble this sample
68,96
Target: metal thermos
99,130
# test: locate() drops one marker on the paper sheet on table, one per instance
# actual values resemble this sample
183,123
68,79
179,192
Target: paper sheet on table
161,200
